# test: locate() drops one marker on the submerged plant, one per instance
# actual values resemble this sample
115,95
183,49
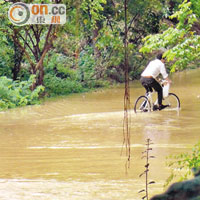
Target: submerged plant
146,154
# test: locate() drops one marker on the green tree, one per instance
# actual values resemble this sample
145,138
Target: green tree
32,41
181,41
143,18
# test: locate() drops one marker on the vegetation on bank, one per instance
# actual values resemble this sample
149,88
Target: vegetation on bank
184,165
18,93
87,52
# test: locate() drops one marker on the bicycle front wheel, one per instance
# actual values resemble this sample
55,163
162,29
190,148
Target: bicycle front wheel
142,104
173,101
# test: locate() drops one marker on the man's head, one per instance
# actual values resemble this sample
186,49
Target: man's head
160,57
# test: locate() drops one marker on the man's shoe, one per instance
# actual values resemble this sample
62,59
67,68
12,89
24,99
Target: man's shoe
161,107
155,107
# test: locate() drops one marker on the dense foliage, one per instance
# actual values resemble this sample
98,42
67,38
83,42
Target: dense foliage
184,164
182,43
88,51
18,93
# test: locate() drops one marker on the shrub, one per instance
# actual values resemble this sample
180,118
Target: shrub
57,86
183,164
15,93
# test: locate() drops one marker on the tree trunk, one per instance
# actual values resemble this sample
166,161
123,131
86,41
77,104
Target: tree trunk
97,53
17,59
41,75
39,67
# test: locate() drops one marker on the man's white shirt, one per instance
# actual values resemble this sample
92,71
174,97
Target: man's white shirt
154,68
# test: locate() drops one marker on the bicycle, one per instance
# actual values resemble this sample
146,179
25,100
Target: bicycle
145,103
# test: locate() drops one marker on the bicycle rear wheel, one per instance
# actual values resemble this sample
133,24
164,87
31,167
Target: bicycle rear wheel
142,104
173,101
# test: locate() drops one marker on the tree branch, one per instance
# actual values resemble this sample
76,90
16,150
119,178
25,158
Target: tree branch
37,38
22,48
47,46
27,32
25,41
47,37
132,20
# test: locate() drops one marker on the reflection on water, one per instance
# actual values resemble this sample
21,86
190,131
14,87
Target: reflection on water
70,148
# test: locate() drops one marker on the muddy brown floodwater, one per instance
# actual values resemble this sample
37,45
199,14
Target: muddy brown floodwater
69,148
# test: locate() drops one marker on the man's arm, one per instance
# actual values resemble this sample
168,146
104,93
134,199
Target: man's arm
164,73
168,80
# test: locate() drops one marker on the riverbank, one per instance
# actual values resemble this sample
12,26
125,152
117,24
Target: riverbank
18,94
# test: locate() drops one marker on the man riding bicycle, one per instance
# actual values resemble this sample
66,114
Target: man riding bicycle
149,75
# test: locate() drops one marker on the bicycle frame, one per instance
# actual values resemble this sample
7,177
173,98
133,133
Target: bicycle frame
149,97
